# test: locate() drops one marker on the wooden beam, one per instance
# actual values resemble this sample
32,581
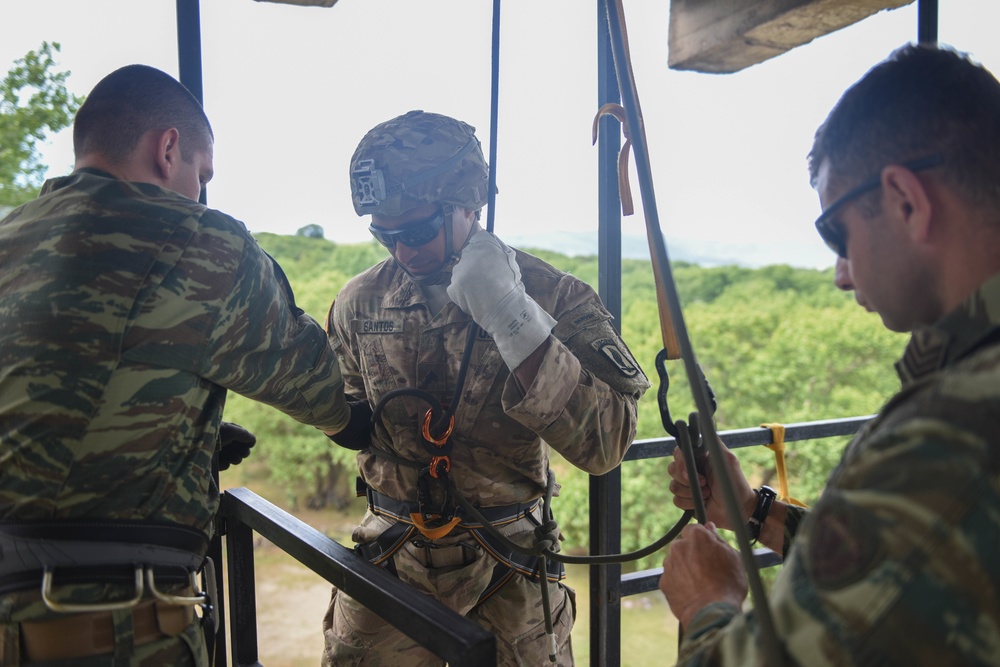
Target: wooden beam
304,3
724,36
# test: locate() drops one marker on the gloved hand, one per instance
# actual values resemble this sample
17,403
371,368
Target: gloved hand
357,435
486,284
235,443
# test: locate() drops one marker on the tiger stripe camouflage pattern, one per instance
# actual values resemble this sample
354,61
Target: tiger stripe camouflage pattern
899,561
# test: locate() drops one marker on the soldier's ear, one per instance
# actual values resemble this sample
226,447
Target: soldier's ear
167,152
906,198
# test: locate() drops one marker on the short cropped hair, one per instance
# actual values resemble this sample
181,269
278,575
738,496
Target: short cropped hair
919,102
130,102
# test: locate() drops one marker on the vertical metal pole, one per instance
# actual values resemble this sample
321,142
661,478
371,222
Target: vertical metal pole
927,21
189,52
605,491
189,65
242,598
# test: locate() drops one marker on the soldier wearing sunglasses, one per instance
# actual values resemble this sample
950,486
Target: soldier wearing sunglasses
897,562
545,364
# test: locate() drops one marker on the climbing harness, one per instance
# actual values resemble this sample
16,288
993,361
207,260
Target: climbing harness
47,555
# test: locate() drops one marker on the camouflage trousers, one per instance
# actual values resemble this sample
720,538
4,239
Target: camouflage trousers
357,637
186,649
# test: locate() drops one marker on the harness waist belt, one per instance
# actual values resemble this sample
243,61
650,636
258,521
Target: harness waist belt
385,545
498,516
93,548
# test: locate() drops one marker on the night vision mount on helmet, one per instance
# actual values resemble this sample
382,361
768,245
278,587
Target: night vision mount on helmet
415,159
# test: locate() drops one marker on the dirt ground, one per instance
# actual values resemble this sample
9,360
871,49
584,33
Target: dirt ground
291,601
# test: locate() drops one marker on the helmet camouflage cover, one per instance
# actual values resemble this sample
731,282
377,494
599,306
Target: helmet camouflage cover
415,159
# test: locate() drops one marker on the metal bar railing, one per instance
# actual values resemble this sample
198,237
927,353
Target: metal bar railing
457,640
648,580
746,437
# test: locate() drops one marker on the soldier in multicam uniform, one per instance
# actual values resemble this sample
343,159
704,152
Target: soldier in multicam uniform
898,563
546,365
129,309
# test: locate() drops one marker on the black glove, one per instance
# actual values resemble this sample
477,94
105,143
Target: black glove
235,443
357,435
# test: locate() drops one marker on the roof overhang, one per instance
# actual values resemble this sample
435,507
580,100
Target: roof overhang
722,36
304,3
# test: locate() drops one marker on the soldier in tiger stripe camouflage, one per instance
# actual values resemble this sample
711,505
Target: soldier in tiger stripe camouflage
129,310
898,563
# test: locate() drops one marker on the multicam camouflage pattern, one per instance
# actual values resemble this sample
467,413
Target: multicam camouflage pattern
899,562
128,312
583,404
418,158
357,636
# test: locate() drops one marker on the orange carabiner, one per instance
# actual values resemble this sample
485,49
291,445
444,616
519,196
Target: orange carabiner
436,461
440,442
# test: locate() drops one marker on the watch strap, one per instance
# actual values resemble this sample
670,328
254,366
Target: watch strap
765,498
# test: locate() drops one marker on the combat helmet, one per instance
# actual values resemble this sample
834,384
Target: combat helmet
418,158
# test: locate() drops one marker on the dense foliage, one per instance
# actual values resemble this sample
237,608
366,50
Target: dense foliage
34,103
777,344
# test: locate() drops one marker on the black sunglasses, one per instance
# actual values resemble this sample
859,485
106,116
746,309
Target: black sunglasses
412,234
832,230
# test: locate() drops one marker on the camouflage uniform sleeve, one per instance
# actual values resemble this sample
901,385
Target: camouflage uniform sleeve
338,331
268,349
889,567
584,399
246,333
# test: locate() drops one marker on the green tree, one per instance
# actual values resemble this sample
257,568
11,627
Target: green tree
311,231
34,102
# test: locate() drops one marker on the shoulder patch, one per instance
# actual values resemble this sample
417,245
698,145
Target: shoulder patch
844,545
618,356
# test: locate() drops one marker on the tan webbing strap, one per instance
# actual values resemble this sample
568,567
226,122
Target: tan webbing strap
669,335
82,635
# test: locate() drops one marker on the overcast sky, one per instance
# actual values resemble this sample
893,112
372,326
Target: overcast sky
291,90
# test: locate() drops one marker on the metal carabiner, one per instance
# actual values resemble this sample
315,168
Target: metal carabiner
426,430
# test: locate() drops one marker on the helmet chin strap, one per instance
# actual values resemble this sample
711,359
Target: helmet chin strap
443,274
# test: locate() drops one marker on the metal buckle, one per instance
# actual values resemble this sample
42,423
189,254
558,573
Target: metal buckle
96,606
205,599
368,183
179,600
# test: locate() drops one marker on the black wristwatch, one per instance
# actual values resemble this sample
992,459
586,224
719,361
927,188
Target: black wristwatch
765,498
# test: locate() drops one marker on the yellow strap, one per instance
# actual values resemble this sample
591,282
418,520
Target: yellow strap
778,447
433,533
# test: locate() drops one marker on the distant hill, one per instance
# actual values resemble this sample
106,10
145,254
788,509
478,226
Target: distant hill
702,253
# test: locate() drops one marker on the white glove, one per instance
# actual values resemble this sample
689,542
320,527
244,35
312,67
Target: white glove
486,284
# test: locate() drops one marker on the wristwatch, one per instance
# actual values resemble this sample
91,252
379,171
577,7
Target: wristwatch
765,498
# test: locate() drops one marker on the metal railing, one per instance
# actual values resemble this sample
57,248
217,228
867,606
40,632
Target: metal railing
451,637
443,632
648,580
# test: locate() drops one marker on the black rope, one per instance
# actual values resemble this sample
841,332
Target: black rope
494,115
440,414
